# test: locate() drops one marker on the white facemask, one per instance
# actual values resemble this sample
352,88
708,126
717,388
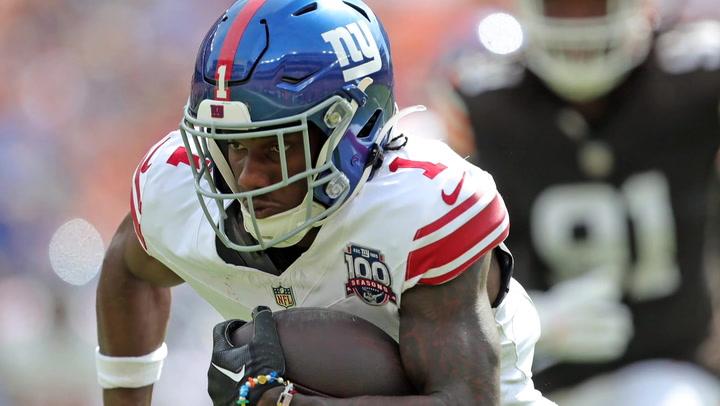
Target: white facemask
281,223
582,59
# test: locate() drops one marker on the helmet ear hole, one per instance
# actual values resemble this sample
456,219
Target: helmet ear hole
371,127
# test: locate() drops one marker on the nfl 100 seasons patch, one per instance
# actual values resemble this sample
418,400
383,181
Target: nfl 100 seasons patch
368,276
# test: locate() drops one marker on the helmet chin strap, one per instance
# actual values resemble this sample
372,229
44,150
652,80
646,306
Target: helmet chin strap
222,165
282,223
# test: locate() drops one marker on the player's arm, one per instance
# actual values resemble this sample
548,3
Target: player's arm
133,305
448,338
448,344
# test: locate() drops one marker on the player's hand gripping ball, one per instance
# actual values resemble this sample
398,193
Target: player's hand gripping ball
232,364
333,353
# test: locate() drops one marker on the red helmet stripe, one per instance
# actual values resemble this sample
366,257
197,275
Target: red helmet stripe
231,43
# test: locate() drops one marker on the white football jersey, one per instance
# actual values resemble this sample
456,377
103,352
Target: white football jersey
424,217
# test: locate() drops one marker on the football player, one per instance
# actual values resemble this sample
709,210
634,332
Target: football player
287,186
604,136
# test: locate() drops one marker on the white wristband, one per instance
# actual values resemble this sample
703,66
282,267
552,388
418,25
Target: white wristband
129,372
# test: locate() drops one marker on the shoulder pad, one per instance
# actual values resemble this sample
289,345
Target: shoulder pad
480,71
690,47
156,177
456,211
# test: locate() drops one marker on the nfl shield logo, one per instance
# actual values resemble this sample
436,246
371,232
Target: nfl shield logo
284,296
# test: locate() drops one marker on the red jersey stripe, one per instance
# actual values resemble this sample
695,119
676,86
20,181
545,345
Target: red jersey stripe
448,217
457,243
439,280
233,37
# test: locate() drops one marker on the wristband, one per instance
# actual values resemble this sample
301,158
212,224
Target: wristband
129,372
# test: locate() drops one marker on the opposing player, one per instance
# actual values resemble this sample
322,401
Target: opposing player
614,134
287,186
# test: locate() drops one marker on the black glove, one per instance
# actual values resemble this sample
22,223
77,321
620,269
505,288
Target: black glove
232,366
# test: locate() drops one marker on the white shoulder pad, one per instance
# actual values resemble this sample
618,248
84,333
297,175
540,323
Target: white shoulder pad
690,47
454,213
158,173
481,71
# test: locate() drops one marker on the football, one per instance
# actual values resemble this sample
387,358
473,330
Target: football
336,354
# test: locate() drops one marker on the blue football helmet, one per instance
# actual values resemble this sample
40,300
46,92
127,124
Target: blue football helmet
268,68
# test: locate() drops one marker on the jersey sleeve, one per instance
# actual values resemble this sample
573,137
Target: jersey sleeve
143,174
466,219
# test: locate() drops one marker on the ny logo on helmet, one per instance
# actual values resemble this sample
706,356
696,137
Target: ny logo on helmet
346,40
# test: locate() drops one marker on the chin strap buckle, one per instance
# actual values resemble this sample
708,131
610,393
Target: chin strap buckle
375,157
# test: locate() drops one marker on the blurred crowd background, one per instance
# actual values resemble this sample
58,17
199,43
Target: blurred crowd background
89,86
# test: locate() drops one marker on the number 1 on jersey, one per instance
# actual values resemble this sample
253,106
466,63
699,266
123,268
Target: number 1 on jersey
430,170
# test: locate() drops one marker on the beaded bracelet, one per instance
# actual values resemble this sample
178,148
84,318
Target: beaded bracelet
251,382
